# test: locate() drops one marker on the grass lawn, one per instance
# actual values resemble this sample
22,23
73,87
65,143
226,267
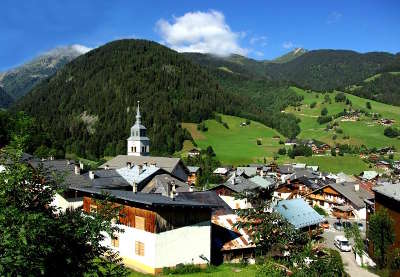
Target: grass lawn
238,144
349,164
220,271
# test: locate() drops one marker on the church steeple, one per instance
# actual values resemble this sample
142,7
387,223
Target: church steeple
138,116
138,142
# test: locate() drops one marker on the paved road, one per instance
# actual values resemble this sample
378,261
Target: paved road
349,261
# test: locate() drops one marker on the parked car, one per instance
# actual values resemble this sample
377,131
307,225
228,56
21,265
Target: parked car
338,226
342,243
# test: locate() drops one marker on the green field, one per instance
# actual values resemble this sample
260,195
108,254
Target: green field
220,271
365,131
238,144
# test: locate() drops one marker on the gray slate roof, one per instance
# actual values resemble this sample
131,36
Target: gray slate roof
161,183
193,169
348,191
152,199
168,164
208,197
240,184
389,190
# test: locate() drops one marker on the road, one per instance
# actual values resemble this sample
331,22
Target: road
349,261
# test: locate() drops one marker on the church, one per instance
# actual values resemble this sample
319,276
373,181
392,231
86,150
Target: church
138,153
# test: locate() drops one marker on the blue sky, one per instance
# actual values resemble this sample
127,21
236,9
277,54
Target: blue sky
258,29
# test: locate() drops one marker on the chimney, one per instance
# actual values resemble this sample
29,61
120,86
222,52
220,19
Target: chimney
173,190
128,164
134,187
81,165
356,187
91,175
191,188
140,168
145,164
51,158
107,167
153,164
77,170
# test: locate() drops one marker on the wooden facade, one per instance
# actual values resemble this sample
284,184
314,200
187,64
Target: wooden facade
156,219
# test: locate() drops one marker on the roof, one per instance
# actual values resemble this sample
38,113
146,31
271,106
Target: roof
299,165
247,170
208,197
136,174
286,169
389,190
168,164
343,177
239,184
263,182
220,170
159,184
369,175
348,191
298,213
152,199
226,236
193,169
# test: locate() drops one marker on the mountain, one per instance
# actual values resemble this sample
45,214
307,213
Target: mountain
5,99
20,80
289,56
320,70
89,106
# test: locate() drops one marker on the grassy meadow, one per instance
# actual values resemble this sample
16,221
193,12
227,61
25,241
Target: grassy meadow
238,144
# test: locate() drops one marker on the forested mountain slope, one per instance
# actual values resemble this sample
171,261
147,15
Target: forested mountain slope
5,98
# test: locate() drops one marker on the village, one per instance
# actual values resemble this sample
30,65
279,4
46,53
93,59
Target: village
163,211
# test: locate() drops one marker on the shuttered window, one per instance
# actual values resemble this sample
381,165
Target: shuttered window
139,222
93,208
139,248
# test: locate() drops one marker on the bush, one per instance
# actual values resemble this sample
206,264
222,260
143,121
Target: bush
301,150
324,111
391,132
281,142
334,137
225,125
282,151
340,97
324,119
313,104
181,269
319,210
259,142
333,151
202,127
339,131
248,122
368,105
270,268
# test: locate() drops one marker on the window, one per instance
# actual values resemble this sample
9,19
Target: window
115,241
139,223
137,133
134,149
143,149
93,208
131,149
139,248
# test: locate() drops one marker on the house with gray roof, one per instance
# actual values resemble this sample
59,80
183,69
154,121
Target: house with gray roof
299,214
344,199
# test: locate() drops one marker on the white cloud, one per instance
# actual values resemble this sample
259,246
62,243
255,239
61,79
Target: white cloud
81,48
333,17
259,53
203,32
260,40
288,45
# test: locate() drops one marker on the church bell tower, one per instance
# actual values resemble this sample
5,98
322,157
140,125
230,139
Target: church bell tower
138,142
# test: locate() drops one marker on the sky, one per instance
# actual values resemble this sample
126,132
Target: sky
257,29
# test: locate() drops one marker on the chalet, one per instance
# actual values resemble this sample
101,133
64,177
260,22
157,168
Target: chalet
229,244
247,171
386,122
264,182
369,175
300,214
193,153
383,165
157,229
221,171
194,172
235,184
342,200
387,196
291,142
